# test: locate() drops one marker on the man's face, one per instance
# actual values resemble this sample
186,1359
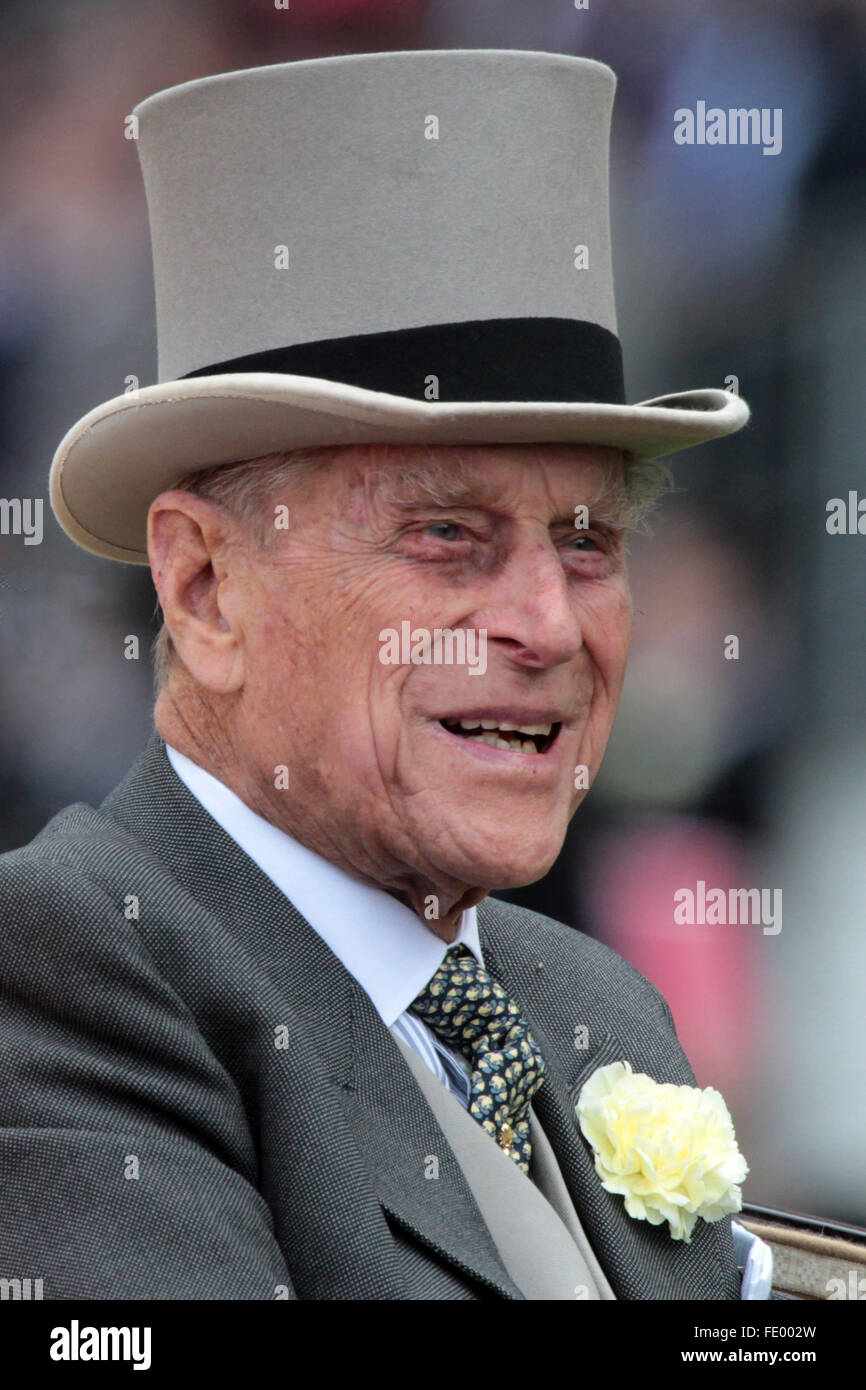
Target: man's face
381,774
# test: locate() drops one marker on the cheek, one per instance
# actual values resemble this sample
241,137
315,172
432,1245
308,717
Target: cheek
606,635
276,646
289,673
272,641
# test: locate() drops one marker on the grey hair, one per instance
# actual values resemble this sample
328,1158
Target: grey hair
246,488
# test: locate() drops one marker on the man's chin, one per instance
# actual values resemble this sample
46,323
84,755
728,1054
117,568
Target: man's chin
520,876
494,865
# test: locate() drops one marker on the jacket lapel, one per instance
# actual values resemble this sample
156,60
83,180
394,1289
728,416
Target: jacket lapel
641,1261
419,1181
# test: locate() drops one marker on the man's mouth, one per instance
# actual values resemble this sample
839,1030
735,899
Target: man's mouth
512,738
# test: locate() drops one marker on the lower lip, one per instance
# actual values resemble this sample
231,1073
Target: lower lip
506,758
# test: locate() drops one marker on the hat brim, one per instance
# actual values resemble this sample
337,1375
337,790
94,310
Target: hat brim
112,464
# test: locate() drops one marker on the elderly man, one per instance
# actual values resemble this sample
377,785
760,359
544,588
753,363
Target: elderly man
266,1033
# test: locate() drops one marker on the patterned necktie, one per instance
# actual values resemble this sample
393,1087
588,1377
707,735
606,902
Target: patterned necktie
467,1008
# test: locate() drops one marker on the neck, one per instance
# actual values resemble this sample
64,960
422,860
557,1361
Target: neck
192,726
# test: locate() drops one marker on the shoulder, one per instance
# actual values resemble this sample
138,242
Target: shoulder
576,965
80,979
78,858
587,1004
52,869
68,903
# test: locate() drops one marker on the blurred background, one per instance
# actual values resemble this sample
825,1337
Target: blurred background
729,264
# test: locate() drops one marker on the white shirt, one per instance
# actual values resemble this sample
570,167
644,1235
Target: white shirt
381,942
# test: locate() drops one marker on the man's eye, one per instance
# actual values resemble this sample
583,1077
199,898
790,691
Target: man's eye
585,542
440,528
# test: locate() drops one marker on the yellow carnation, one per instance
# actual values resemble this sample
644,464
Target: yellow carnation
670,1151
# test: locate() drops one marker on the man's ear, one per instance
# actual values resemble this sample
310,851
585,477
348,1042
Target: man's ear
192,571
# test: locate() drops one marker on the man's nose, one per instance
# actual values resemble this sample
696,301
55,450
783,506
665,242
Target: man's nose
532,610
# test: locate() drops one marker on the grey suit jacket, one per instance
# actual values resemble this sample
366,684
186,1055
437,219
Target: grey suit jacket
197,1100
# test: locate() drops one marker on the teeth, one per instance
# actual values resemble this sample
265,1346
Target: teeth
527,728
488,724
495,741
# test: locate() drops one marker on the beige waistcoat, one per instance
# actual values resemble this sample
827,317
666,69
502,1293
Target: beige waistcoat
533,1222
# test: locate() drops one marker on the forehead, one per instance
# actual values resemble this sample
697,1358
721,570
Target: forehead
482,474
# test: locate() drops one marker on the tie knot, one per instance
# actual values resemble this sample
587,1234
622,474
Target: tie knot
463,1003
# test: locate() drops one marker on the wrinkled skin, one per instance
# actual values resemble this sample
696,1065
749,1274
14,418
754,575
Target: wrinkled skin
279,660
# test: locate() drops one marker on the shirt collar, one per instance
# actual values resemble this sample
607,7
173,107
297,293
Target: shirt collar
381,942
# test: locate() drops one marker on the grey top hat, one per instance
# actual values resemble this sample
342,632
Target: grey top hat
395,247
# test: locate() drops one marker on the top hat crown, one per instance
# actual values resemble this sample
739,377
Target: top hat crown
395,247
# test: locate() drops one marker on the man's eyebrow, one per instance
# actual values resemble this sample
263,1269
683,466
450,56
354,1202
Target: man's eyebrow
428,489
606,503
608,508
410,490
